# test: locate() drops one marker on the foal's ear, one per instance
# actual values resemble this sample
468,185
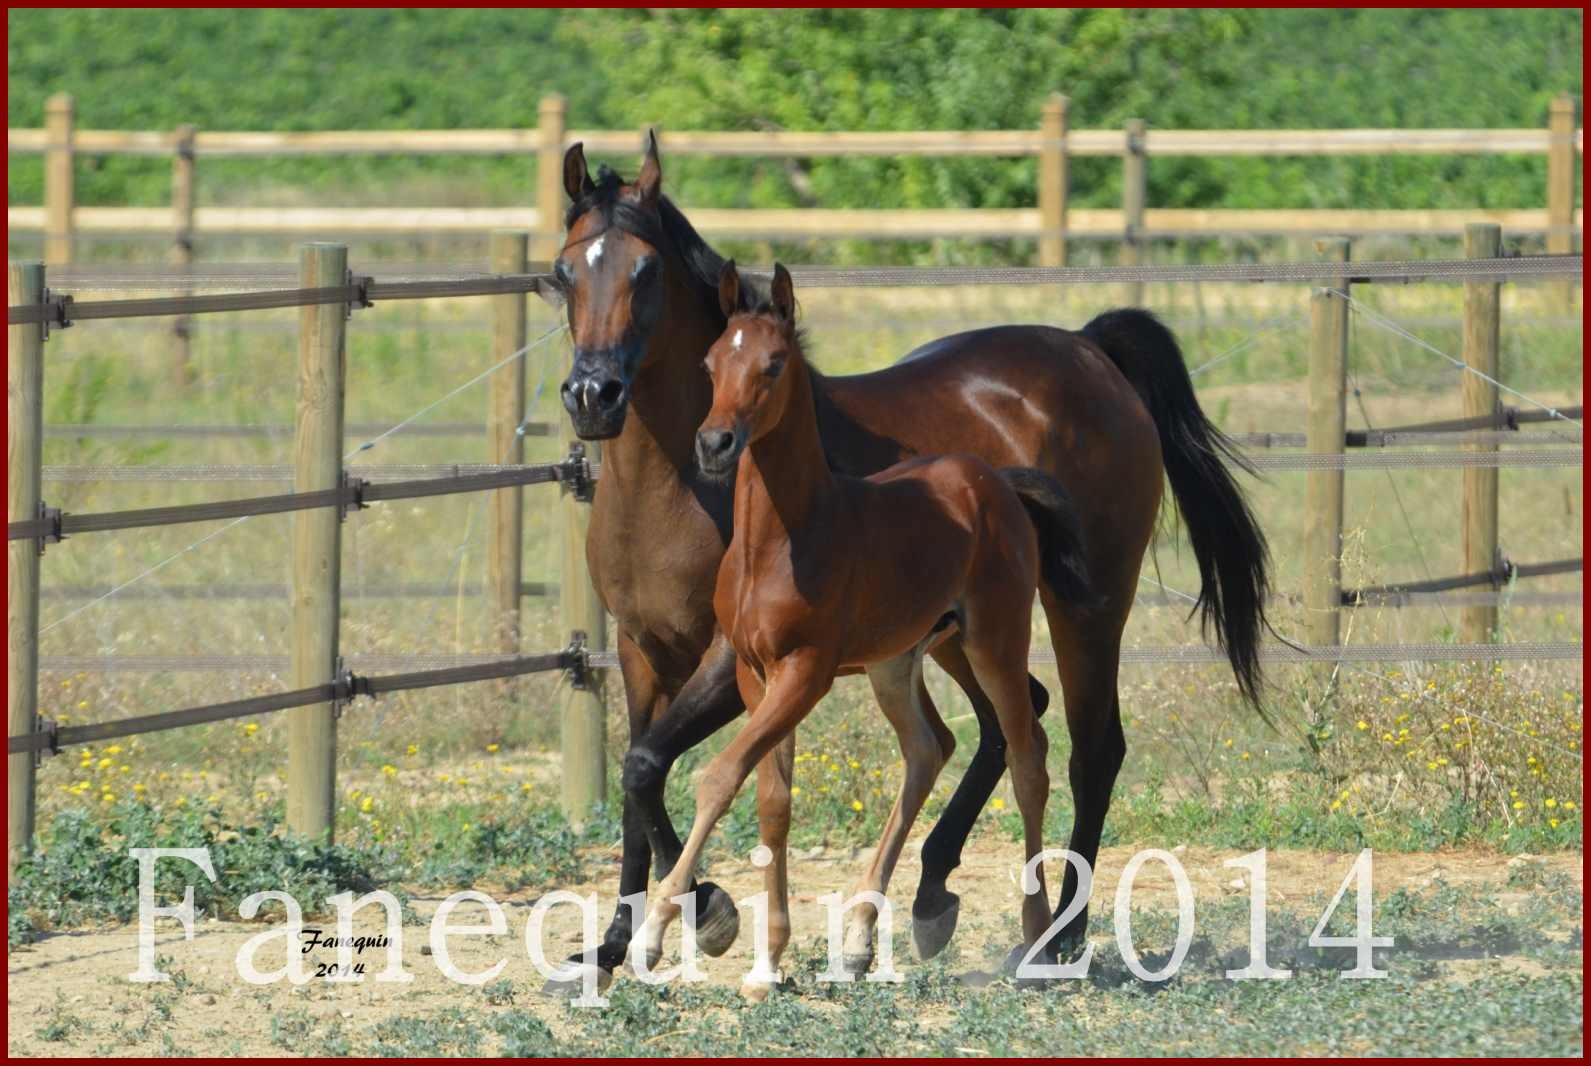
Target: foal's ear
783,293
576,178
728,288
649,182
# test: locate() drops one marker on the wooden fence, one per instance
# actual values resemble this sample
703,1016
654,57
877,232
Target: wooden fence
326,293
1051,221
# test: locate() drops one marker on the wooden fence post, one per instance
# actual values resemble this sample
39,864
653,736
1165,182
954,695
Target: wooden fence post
1561,230
1053,181
1134,191
1324,435
584,721
504,444
317,543
1482,240
550,120
24,452
182,203
58,191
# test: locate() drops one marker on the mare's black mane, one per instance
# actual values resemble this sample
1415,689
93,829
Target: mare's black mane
663,229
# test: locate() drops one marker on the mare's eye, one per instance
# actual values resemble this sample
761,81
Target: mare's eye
774,369
645,269
562,271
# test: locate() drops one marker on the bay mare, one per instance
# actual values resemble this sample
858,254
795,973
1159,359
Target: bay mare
1108,411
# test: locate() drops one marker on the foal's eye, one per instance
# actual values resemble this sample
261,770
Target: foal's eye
562,271
773,369
644,270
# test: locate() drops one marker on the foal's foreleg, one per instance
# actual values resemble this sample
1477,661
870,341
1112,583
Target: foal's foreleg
774,775
794,687
898,686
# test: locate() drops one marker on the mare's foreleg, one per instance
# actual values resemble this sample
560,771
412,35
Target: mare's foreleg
644,697
706,703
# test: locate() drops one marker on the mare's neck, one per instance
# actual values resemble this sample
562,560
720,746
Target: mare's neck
783,478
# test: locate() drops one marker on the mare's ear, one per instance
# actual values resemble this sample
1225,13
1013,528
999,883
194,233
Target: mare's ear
649,182
728,288
783,293
576,178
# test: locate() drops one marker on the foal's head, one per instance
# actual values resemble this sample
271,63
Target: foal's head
626,246
754,365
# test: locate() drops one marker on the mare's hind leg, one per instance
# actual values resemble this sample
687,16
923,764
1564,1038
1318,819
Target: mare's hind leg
898,686
1087,655
936,908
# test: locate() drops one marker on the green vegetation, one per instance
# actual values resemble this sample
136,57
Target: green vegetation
801,70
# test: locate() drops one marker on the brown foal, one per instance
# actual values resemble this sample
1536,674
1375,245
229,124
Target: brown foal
826,572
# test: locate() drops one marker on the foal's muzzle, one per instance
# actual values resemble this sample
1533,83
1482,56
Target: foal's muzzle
718,450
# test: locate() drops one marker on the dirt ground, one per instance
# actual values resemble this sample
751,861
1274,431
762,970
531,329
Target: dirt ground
82,975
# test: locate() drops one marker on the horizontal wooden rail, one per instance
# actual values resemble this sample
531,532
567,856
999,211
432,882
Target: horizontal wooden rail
814,223
799,144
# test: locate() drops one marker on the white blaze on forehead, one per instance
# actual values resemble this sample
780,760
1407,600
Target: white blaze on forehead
734,342
594,252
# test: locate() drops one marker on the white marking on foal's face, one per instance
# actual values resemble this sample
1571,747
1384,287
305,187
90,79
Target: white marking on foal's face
594,252
734,342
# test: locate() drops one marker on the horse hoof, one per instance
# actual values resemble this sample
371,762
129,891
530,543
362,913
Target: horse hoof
857,963
718,922
1046,957
930,933
755,991
569,981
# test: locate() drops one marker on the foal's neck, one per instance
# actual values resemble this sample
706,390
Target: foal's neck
784,475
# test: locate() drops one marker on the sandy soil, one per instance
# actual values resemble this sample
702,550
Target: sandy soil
83,973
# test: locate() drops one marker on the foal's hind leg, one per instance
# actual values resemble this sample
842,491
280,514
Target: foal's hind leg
936,908
997,650
898,686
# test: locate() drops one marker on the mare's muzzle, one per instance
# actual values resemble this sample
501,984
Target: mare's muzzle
597,393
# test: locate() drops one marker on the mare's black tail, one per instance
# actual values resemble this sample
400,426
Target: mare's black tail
1227,541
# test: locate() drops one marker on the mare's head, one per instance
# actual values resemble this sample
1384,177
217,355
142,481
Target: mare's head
754,366
626,254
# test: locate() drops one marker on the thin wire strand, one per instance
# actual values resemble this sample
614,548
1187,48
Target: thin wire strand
1392,327
1392,483
208,537
1244,345
373,441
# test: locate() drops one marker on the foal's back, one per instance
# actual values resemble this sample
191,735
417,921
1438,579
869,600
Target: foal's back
901,550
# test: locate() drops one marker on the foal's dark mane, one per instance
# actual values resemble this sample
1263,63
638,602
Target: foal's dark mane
667,228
